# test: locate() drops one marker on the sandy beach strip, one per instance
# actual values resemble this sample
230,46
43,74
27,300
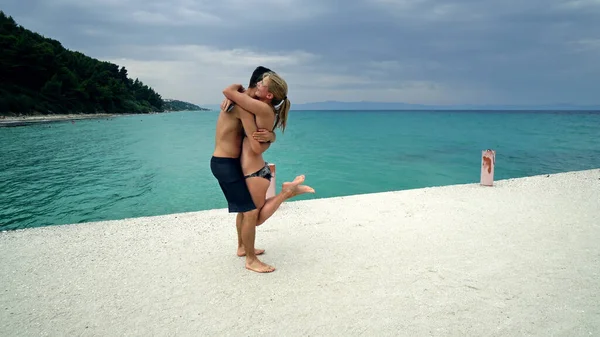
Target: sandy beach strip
521,258
11,121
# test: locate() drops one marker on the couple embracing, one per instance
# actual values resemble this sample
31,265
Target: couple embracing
245,129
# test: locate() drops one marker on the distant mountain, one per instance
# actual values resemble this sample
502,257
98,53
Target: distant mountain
366,105
333,105
363,105
176,105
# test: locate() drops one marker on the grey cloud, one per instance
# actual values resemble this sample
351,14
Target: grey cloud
538,50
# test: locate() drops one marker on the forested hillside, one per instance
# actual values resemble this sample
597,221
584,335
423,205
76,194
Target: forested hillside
38,75
176,105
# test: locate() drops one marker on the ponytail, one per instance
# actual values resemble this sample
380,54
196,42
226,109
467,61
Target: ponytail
282,114
278,87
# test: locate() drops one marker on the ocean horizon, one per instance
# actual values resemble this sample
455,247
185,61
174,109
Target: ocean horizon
145,165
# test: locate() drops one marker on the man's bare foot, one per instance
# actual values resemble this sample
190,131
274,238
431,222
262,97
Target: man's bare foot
242,252
258,266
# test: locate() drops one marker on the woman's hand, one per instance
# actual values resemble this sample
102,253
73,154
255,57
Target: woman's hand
264,136
225,104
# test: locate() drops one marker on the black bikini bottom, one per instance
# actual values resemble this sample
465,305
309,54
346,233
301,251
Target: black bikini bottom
264,172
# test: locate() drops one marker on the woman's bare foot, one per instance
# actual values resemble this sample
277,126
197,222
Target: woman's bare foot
258,266
242,251
297,181
294,188
303,189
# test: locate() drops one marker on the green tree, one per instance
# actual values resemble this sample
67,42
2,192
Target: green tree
38,75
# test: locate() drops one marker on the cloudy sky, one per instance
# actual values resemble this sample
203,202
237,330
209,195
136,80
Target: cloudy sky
419,51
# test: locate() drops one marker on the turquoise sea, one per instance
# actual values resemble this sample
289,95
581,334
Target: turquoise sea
144,165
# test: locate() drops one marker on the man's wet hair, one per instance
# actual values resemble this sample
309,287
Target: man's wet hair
257,75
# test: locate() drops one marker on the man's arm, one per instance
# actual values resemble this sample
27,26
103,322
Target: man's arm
246,102
249,125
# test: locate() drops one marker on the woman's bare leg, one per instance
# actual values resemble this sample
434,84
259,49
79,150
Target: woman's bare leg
288,190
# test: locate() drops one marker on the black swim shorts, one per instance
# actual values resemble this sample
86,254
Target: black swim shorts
228,172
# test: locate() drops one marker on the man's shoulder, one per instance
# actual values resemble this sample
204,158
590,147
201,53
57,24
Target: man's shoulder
233,112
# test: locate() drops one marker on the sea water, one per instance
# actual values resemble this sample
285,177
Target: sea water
144,165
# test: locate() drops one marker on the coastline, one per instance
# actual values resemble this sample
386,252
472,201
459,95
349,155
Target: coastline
24,120
519,258
12,121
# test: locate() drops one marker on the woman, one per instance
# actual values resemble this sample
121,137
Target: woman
268,110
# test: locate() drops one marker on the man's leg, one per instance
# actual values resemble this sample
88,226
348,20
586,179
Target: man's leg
248,237
288,190
241,251
228,172
238,225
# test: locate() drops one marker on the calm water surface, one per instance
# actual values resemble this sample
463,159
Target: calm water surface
145,165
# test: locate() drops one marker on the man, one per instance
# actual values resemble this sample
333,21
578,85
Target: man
226,167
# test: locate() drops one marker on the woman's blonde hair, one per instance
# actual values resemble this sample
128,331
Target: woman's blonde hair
278,87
